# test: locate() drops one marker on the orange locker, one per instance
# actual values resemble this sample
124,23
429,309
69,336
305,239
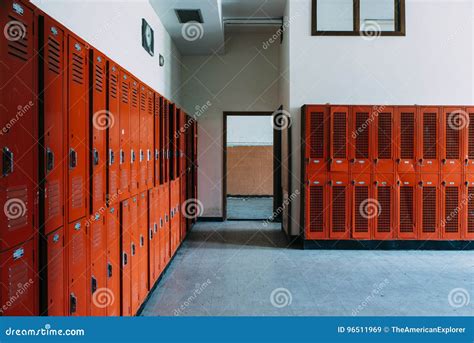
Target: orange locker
469,154
469,221
98,269
163,228
167,225
166,137
98,120
77,134
52,105
153,254
56,274
339,206
124,158
18,184
143,233
428,133
113,134
384,138
143,138
19,281
339,146
364,206
113,261
134,136
428,203
406,206
316,213
384,194
125,272
134,256
317,139
77,257
157,139
361,141
453,206
174,215
454,122
182,199
406,143
150,159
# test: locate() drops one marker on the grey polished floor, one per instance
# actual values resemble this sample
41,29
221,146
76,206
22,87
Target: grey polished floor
246,268
249,208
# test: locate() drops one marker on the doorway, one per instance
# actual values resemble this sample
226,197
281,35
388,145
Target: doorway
252,179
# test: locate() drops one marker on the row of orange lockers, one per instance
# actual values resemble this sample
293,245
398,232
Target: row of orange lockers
388,139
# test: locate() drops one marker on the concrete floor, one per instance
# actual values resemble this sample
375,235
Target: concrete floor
249,208
246,268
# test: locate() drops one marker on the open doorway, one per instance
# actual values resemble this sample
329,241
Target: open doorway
251,171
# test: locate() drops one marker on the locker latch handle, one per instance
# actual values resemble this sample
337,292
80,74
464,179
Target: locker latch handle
155,227
93,284
148,155
72,303
142,241
96,157
111,157
132,156
157,154
122,156
72,158
124,259
109,270
141,155
49,160
7,161
151,234
133,249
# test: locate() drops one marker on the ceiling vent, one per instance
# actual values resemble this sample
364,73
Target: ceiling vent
186,16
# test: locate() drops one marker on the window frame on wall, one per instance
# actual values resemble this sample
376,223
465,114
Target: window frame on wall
399,24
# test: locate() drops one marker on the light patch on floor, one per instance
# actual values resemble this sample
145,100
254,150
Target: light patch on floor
248,269
249,207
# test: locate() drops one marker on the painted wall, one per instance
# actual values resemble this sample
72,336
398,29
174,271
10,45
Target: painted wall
245,78
249,130
114,27
432,64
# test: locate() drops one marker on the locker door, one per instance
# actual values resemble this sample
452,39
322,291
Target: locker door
113,133
469,155
125,273
157,139
338,153
406,206
468,232
384,137
99,121
167,227
143,138
134,137
150,159
429,138
162,228
429,218
143,246
317,139
454,122
53,102
56,273
364,207
78,291
361,139
166,142
316,214
18,281
113,261
134,257
124,156
453,203
77,129
339,204
384,227
18,113
98,257
406,143
152,237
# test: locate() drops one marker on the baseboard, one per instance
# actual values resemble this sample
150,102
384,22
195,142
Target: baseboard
210,219
387,245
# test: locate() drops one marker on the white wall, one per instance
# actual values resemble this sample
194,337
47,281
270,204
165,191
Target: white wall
114,27
245,78
432,64
249,130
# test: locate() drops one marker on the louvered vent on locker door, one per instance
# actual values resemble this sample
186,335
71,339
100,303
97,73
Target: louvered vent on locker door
429,136
316,210
113,86
150,104
361,223
407,136
134,99
99,78
339,140
362,138
142,102
124,93
317,135
77,68
471,136
18,48
54,56
429,209
385,210
470,215
338,209
452,137
451,208
384,136
406,209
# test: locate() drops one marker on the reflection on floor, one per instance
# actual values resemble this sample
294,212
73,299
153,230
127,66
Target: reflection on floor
247,268
249,208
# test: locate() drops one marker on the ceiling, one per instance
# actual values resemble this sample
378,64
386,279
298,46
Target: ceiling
208,38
